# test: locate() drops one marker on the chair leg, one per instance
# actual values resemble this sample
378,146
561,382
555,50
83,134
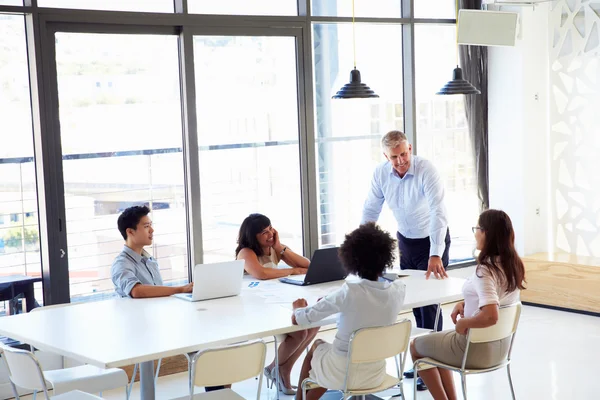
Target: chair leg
190,383
34,394
415,368
463,380
130,386
157,370
14,390
276,368
402,391
510,382
399,376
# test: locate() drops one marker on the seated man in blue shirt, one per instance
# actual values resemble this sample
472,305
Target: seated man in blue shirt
134,272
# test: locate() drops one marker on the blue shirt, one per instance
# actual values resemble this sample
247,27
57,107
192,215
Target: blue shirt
417,201
131,268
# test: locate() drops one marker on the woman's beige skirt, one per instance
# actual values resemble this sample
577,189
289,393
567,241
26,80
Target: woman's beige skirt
449,348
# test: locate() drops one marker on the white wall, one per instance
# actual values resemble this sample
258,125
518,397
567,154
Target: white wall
575,125
518,130
544,152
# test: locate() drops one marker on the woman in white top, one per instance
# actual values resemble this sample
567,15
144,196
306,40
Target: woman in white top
261,250
497,281
367,252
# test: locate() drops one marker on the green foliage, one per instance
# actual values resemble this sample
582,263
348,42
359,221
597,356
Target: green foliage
14,237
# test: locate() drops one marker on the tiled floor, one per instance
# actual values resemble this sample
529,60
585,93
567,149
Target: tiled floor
555,357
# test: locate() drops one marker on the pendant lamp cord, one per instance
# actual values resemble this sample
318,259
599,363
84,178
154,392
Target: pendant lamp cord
354,35
457,49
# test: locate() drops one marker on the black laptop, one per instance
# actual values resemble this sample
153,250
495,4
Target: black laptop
325,266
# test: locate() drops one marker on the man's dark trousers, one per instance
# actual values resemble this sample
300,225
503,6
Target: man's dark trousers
414,254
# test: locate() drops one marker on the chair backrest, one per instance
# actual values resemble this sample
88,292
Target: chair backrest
508,320
230,364
380,342
24,369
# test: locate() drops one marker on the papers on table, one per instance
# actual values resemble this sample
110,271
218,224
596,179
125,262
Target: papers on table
276,293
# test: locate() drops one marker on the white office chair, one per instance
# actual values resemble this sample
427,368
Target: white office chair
25,371
226,365
505,327
75,363
374,344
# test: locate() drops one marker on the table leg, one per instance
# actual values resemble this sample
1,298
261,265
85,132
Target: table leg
29,297
12,305
147,380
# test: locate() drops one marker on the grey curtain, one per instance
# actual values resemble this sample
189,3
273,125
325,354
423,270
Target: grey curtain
474,63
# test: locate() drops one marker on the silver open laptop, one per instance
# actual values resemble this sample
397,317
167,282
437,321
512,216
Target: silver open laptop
212,281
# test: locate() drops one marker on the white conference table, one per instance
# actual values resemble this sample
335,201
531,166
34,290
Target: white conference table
120,332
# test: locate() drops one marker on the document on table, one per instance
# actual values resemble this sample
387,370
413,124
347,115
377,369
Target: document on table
312,295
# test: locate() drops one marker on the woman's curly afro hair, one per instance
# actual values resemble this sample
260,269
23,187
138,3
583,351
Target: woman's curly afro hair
368,251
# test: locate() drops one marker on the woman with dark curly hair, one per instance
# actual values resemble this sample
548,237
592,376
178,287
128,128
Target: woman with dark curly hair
367,252
497,281
261,250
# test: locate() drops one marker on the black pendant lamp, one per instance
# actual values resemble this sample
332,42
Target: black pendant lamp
458,85
355,89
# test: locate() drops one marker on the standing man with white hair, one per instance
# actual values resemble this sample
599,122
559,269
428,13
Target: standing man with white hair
414,191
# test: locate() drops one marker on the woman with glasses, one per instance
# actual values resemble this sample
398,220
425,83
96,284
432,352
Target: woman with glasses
497,281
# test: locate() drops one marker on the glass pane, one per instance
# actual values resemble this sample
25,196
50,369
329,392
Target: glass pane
443,135
11,3
247,105
160,6
349,131
120,118
19,230
243,7
365,8
435,9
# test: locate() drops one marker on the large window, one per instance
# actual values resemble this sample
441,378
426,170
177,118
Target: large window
120,127
269,137
443,135
348,132
248,135
19,231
